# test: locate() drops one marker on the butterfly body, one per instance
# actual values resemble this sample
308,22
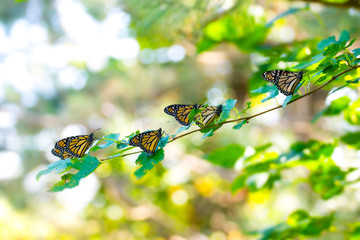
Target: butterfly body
285,81
74,146
148,141
181,113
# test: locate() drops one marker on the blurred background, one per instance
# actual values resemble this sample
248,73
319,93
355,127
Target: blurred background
68,67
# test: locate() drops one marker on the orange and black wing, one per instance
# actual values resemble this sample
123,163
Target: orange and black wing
61,144
180,112
60,153
135,141
147,141
207,115
77,145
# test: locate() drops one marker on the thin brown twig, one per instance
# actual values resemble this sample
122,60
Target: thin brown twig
249,117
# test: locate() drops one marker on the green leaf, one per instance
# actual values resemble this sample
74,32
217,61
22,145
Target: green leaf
122,144
239,125
114,138
353,233
205,44
263,89
273,93
85,166
352,139
352,114
147,162
326,42
287,100
238,183
344,37
226,156
328,181
163,141
356,52
347,83
209,133
225,113
247,108
299,225
335,108
317,58
56,167
267,89
183,128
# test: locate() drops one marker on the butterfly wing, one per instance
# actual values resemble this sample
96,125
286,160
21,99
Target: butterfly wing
147,141
77,145
135,141
180,112
57,152
272,76
66,155
61,144
288,81
208,115
150,141
61,153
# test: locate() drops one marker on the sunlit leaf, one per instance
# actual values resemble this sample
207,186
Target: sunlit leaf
326,42
239,125
328,181
356,52
335,108
112,139
229,104
56,167
304,64
344,37
147,162
248,104
183,128
272,90
163,141
85,166
352,139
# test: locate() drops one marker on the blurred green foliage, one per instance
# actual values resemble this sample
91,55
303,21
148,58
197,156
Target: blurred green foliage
230,185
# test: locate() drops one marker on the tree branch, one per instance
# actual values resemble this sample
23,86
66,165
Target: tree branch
249,117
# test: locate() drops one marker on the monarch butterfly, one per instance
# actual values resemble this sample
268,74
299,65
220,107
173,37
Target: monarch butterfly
74,146
208,115
285,81
181,113
60,153
147,141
